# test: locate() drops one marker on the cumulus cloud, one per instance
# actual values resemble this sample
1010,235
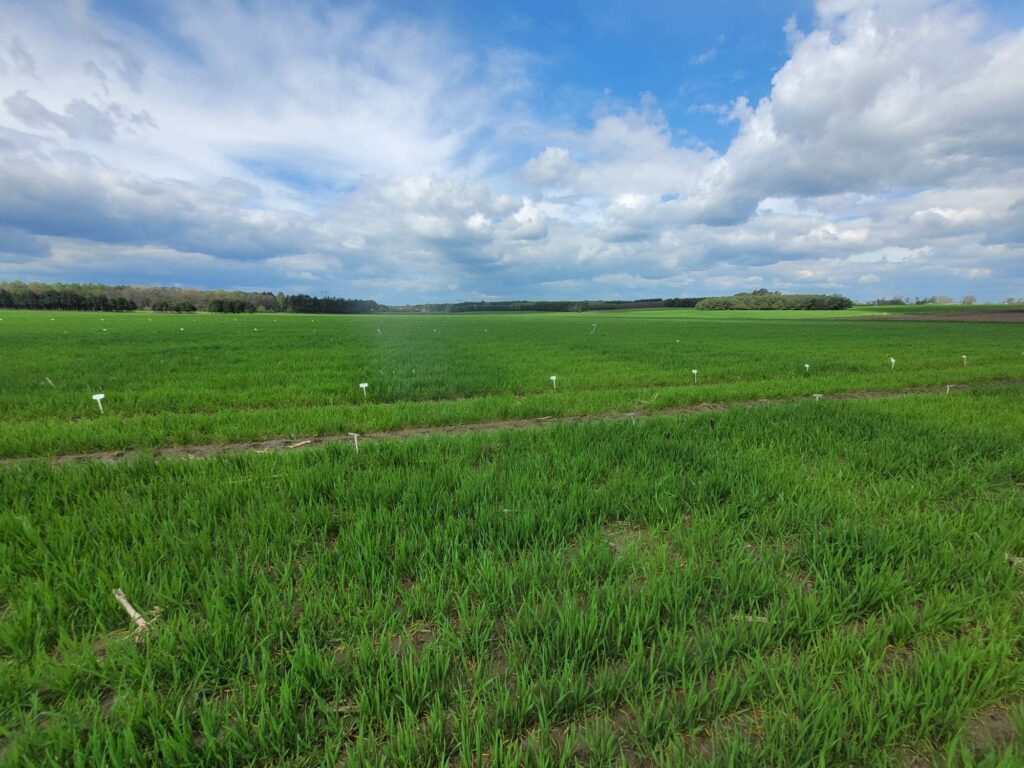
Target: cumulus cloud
552,166
374,158
890,130
902,94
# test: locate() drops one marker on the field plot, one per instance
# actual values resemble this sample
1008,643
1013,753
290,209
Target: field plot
820,583
833,582
181,380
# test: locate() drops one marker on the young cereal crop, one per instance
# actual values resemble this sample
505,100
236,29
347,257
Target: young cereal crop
214,379
828,583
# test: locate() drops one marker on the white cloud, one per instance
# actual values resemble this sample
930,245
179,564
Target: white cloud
704,57
528,223
552,166
80,119
325,147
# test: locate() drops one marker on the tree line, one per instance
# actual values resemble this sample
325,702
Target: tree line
966,301
13,296
545,306
327,305
765,299
124,298
178,306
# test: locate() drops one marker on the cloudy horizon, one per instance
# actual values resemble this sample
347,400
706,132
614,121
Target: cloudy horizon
516,152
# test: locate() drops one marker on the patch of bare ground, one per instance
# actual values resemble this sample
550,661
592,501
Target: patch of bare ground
992,730
107,700
622,537
988,733
916,757
413,641
980,316
895,656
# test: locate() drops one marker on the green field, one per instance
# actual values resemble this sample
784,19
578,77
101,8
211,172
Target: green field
211,378
808,583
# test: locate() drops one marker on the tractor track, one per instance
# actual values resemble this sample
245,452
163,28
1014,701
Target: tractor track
276,444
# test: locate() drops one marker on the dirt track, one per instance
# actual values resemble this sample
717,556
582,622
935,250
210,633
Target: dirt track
285,444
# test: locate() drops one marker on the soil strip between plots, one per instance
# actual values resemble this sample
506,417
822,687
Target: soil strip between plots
312,441
969,316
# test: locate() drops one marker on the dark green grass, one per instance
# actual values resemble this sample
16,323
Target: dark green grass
816,584
227,378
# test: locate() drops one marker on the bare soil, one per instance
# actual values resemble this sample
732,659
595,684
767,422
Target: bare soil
992,730
1009,316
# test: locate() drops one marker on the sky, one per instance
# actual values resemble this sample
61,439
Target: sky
416,152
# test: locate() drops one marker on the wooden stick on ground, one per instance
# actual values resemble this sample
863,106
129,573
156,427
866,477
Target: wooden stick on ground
141,625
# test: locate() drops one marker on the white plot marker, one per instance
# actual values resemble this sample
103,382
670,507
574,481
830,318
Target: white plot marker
817,397
99,400
807,367
554,382
363,387
694,372
964,357
948,387
355,440
892,363
594,328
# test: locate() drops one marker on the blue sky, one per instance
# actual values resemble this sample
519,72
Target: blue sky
516,150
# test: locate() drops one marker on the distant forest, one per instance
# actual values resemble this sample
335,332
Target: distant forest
121,298
125,298
545,306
